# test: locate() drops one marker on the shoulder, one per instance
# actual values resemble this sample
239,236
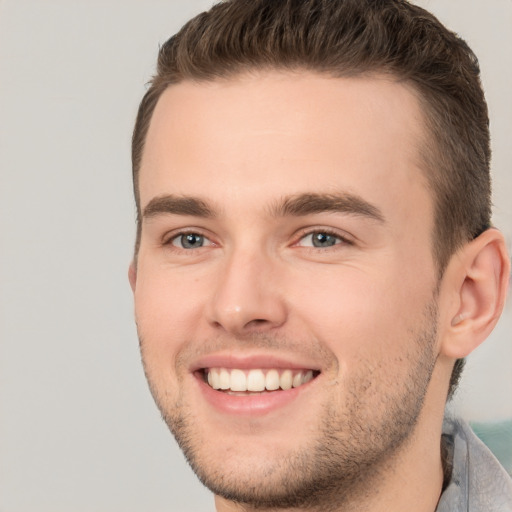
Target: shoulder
478,482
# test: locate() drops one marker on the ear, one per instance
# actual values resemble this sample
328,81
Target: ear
132,275
475,285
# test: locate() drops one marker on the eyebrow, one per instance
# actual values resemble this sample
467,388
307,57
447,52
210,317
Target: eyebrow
311,203
178,205
295,206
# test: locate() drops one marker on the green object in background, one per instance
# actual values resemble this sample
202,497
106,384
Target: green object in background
498,437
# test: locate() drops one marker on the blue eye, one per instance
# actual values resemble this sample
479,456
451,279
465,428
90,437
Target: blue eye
323,240
320,240
189,241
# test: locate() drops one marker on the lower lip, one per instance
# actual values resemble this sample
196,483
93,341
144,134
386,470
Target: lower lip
250,405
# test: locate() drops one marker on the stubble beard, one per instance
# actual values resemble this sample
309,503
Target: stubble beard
334,470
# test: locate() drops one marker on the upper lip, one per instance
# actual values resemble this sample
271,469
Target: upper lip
250,361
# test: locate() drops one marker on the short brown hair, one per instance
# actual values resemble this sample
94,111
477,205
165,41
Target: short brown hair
349,38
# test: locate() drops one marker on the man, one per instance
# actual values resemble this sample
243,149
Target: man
314,255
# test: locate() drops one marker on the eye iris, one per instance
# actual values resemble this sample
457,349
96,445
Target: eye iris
323,240
191,241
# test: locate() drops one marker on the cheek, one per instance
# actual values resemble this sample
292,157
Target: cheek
168,312
360,314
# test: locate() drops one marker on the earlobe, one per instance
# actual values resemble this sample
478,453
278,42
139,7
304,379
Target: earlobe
132,275
478,277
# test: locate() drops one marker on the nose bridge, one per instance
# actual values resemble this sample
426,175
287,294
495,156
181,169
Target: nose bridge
247,296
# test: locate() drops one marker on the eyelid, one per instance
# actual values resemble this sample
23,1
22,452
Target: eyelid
170,236
343,237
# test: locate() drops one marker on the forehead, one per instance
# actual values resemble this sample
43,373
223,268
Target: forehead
273,133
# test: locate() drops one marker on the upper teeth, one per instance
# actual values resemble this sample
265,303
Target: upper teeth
256,380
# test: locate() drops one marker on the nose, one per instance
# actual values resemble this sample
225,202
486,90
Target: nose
247,297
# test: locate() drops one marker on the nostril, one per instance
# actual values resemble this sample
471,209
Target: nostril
256,322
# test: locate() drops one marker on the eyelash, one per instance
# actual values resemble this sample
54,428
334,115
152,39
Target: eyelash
168,240
340,240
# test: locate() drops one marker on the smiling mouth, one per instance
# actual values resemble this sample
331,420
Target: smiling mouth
237,381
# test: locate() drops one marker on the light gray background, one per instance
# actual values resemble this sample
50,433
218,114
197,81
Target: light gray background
78,428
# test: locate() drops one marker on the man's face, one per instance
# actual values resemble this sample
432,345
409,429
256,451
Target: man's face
286,243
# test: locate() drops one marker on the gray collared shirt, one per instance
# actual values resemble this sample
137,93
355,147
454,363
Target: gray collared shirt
478,482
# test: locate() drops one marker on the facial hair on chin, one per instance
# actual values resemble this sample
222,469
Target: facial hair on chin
354,445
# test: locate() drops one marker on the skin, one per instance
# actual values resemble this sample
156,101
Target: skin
367,313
